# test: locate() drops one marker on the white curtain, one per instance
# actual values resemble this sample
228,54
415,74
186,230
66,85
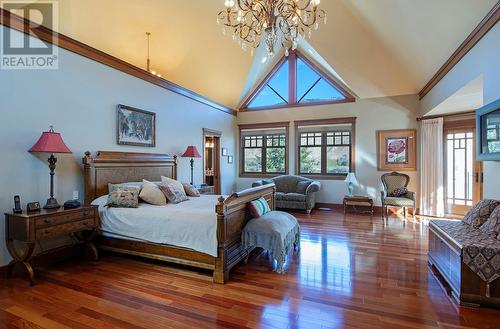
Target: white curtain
431,168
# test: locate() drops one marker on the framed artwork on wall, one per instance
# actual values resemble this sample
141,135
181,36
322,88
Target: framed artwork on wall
230,159
224,151
135,127
396,150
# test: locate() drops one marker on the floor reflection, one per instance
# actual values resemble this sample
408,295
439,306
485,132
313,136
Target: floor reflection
326,263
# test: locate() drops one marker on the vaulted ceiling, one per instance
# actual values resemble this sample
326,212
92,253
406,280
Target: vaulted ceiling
379,48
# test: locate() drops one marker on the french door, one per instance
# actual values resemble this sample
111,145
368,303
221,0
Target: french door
463,174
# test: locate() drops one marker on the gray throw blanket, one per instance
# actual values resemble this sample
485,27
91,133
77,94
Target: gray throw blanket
275,231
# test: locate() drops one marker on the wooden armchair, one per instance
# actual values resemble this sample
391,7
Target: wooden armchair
392,181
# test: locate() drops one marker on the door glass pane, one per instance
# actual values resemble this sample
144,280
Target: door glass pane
310,160
460,169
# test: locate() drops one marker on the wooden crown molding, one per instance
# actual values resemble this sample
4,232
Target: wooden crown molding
23,25
320,122
477,34
267,125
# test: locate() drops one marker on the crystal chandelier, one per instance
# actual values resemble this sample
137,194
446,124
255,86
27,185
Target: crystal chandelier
277,21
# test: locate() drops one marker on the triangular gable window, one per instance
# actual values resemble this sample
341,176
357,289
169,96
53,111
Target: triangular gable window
312,87
275,91
295,81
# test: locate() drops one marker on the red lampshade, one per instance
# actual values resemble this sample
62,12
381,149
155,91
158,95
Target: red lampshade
50,142
191,152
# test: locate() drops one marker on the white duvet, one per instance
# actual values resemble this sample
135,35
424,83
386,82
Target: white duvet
191,224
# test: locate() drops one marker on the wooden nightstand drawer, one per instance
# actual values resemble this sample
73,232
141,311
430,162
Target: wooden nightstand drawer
64,218
63,229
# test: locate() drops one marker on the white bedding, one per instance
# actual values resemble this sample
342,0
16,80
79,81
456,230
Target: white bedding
190,224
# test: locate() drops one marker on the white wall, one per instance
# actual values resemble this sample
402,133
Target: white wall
80,100
482,59
372,115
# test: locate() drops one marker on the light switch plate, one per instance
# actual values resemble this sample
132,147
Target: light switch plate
76,195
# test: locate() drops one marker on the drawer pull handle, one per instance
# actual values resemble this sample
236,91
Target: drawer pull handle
85,213
47,231
85,223
47,221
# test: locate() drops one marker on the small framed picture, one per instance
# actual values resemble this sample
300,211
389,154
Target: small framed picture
396,150
230,159
135,127
224,151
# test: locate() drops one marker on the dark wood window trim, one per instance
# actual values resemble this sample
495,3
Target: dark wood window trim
292,85
21,24
271,125
324,122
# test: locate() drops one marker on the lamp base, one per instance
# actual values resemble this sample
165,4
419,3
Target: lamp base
350,188
51,204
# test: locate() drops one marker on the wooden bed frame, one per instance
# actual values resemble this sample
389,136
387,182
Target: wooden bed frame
232,214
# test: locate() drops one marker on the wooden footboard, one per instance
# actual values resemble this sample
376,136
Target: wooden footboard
232,216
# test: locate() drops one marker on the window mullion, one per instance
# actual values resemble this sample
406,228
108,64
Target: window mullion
264,155
292,78
323,153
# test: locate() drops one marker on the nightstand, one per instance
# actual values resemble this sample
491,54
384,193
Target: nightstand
206,189
358,201
29,228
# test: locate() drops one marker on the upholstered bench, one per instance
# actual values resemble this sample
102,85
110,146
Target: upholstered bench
468,259
277,232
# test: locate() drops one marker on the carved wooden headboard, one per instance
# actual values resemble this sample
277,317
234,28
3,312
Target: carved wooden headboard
120,167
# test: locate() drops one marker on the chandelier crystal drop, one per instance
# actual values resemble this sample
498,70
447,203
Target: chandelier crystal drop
279,22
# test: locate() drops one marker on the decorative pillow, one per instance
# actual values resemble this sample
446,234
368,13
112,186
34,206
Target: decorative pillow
172,192
492,225
258,207
137,185
177,184
302,186
126,197
152,194
480,213
399,192
190,190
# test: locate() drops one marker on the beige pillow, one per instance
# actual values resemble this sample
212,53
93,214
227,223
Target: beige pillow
177,185
191,190
152,194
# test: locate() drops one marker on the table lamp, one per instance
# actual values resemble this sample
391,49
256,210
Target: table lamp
191,152
50,142
351,180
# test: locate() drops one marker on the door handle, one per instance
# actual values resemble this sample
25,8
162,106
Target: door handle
482,178
477,177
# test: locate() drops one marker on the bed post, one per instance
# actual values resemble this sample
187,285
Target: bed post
175,168
221,273
88,178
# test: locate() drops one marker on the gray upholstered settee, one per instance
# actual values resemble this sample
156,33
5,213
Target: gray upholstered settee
293,192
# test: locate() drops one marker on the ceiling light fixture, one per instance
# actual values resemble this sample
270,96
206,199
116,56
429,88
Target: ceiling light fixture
277,21
148,61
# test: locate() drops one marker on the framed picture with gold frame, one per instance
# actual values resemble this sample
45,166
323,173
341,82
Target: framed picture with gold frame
396,150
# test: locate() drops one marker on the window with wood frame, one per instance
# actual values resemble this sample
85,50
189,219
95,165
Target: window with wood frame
264,149
325,148
296,81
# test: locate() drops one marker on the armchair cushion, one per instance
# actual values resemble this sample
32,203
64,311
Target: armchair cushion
302,186
399,202
295,197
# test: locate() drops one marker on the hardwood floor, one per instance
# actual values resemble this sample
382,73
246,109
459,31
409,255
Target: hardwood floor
352,272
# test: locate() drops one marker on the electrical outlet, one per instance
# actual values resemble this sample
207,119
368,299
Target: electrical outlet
76,195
